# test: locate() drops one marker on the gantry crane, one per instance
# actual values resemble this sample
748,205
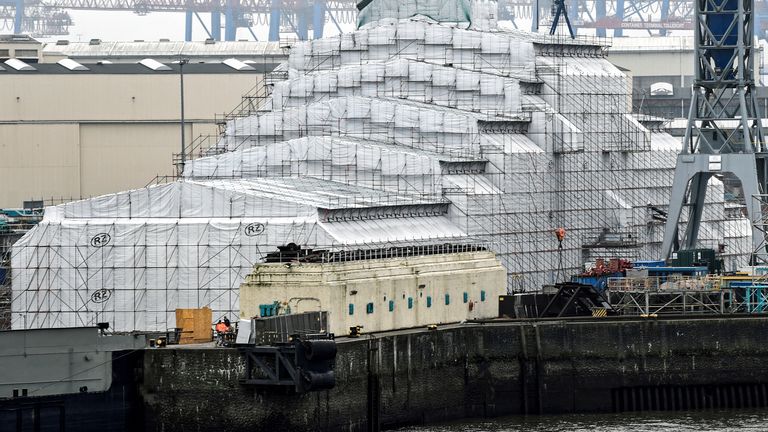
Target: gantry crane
306,18
724,134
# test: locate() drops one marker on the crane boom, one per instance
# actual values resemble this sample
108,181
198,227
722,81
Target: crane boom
656,17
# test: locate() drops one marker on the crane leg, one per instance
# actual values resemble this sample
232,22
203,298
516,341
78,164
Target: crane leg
188,24
18,18
216,25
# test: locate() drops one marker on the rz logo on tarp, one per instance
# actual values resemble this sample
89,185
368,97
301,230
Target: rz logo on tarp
254,229
101,295
101,239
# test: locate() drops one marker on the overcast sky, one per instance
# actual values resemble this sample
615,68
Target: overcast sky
127,26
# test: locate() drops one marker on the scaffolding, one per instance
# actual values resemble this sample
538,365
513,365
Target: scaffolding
132,258
544,124
649,304
403,131
686,295
7,238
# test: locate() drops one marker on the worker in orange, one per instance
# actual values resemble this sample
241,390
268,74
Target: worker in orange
221,329
560,234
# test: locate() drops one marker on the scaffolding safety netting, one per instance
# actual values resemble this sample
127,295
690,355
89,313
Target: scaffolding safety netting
406,131
457,11
544,125
132,258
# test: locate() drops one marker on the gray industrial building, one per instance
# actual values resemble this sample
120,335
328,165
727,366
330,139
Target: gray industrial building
73,127
662,74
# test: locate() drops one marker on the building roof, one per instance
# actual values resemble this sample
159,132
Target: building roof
652,44
16,38
137,69
165,50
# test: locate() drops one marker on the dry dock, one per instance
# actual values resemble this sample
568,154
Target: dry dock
475,370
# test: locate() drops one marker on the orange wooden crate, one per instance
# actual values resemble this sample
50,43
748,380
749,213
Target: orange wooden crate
195,325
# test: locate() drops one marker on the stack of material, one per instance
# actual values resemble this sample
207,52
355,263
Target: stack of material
194,325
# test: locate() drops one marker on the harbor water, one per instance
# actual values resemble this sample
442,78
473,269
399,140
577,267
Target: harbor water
719,421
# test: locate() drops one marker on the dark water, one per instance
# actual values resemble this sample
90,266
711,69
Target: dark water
749,421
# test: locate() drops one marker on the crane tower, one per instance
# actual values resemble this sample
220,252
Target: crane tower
724,132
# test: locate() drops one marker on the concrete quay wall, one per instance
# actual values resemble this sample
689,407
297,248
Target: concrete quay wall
475,370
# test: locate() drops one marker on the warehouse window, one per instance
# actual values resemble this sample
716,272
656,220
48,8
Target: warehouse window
369,308
351,309
429,301
25,53
391,305
410,302
447,299
482,296
466,297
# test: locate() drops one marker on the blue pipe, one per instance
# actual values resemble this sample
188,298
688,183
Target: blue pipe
318,19
620,15
302,30
230,29
664,15
216,25
274,21
188,25
18,17
599,16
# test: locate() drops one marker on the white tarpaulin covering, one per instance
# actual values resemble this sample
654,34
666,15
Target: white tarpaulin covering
403,131
406,123
132,258
508,54
405,78
383,166
581,161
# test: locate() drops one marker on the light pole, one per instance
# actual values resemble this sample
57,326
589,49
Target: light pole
182,62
